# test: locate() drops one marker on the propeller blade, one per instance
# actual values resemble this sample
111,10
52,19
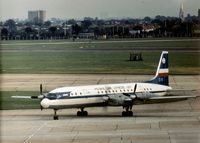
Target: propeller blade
135,88
41,107
40,89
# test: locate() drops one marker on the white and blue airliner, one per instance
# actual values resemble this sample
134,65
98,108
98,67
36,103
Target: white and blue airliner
123,94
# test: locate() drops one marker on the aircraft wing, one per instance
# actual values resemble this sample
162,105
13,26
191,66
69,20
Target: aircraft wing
152,96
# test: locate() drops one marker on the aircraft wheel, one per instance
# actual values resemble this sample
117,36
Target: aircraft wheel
82,113
85,113
127,114
78,113
124,114
130,113
55,117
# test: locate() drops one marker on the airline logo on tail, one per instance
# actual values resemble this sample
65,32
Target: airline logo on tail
163,67
162,72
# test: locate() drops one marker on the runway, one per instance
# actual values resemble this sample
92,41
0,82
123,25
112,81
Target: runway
177,122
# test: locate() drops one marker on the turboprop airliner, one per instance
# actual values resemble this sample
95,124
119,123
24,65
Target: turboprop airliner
123,94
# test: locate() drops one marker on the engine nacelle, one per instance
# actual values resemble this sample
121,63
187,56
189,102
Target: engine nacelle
119,100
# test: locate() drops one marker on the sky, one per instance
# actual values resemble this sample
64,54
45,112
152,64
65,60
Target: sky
78,9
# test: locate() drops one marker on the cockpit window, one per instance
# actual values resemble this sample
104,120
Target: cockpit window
57,95
51,96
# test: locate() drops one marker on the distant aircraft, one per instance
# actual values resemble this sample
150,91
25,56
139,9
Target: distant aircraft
123,94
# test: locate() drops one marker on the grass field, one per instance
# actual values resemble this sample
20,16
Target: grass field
25,58
6,102
96,62
127,43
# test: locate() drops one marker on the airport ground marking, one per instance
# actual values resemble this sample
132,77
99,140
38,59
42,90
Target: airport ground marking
33,134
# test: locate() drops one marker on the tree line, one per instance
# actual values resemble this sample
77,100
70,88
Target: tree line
160,26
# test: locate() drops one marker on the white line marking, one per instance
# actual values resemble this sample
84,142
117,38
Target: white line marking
27,139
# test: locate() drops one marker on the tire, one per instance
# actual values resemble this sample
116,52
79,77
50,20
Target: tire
130,113
85,113
55,117
124,114
78,113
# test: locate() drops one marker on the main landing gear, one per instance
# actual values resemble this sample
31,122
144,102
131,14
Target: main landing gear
82,113
127,113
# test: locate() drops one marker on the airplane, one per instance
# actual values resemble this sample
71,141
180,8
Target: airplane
122,94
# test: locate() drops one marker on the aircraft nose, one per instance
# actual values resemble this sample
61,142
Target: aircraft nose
45,103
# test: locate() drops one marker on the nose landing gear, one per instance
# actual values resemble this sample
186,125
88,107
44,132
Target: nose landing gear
55,117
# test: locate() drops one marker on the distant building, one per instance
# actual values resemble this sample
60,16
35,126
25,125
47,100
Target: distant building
199,13
37,16
181,13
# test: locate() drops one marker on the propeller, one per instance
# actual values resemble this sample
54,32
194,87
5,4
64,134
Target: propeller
41,93
133,96
41,96
135,88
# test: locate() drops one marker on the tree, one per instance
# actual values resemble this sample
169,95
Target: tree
28,30
76,29
4,32
147,19
138,27
52,30
71,22
86,24
47,23
11,25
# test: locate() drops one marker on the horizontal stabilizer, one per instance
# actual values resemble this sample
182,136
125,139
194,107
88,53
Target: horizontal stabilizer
171,97
177,90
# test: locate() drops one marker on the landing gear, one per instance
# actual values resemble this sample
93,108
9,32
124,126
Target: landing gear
82,113
55,117
127,113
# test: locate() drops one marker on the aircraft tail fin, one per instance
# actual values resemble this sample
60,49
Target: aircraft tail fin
162,72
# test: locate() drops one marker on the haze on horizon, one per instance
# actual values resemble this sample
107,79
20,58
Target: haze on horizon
78,9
